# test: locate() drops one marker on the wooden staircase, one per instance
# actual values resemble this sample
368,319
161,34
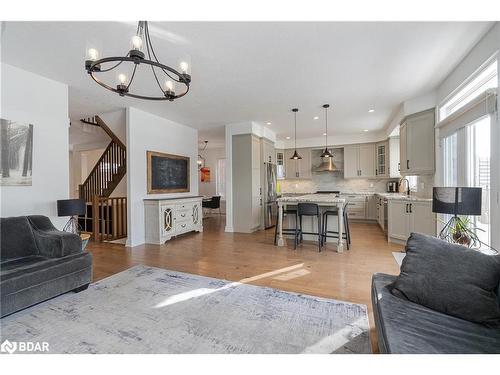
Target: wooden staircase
109,169
106,217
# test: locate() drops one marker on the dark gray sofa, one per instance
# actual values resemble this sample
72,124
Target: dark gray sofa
39,262
404,327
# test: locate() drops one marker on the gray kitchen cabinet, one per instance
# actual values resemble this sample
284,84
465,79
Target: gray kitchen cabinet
417,144
405,217
359,161
371,207
298,169
246,170
382,159
268,152
394,157
280,164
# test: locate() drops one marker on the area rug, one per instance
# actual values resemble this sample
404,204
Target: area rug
399,256
152,310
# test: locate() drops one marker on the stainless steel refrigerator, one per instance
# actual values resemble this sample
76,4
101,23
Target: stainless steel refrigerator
270,195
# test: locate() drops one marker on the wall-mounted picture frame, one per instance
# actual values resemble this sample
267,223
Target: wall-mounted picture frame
16,153
168,173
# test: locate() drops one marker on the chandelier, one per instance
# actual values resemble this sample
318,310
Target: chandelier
141,54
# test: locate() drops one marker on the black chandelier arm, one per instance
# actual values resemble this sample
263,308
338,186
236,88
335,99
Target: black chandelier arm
135,95
149,46
148,43
132,77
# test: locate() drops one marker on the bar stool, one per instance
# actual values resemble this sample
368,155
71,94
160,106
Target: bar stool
335,234
287,231
310,210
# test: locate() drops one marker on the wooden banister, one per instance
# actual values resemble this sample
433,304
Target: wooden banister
109,218
109,169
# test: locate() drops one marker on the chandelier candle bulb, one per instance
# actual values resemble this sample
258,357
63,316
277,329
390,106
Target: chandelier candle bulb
184,67
93,54
137,42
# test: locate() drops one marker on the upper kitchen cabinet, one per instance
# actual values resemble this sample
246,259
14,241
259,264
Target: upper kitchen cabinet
416,143
394,157
359,161
298,169
280,164
382,159
268,152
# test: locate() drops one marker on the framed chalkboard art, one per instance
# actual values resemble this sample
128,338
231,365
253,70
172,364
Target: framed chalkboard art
167,173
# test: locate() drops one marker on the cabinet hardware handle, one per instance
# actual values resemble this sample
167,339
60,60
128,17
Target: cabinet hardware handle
406,208
376,172
411,207
399,167
407,164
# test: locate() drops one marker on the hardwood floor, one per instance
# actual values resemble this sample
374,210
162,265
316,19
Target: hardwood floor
253,257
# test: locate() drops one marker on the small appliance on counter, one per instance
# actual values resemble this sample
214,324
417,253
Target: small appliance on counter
392,187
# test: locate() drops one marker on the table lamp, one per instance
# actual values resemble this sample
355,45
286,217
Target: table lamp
72,208
464,201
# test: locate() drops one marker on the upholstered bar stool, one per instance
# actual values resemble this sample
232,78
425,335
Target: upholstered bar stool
287,231
335,234
310,210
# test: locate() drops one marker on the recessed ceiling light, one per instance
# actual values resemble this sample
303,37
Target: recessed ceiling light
324,133
365,130
268,123
371,110
287,137
315,117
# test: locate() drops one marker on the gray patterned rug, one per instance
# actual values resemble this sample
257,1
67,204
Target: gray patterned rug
152,310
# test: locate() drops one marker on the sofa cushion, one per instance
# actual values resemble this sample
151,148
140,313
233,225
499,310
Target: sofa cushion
405,327
16,238
450,278
34,271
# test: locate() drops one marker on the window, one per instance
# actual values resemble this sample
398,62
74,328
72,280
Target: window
221,178
483,80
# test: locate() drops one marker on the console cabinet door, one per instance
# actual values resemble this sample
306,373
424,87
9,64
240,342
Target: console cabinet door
167,221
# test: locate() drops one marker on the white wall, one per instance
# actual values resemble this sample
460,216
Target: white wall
33,99
147,132
211,156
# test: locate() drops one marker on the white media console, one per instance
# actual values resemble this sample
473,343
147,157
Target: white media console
169,217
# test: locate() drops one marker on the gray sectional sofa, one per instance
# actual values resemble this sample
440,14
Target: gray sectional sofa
405,327
39,262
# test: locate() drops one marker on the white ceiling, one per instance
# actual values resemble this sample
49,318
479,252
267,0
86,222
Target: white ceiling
257,71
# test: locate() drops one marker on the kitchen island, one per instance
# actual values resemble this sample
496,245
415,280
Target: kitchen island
325,201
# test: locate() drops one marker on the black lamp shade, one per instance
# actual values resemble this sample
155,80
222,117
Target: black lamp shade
70,207
457,200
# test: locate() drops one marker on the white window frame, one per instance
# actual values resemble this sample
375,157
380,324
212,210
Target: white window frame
476,84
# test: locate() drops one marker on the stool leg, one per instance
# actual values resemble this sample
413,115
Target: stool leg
320,234
276,229
347,231
300,226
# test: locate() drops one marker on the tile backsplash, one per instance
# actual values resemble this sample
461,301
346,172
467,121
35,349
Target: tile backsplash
329,181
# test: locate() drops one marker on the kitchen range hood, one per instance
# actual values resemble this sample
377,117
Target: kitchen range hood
326,165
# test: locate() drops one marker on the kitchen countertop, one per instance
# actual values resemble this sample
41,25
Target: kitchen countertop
403,197
391,196
313,198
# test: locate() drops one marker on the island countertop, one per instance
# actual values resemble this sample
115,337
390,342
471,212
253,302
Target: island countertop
321,199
